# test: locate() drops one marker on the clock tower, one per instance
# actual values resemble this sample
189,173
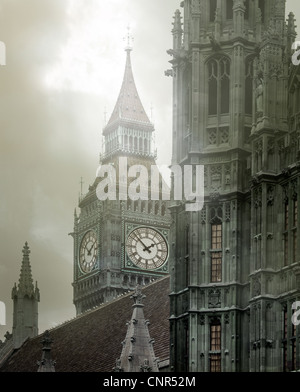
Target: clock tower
123,242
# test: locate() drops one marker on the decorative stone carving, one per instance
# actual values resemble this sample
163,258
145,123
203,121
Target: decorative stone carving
256,287
270,195
202,319
214,298
227,212
226,318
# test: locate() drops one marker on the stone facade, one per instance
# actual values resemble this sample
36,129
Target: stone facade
235,264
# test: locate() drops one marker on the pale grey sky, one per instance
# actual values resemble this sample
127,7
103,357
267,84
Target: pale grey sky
65,64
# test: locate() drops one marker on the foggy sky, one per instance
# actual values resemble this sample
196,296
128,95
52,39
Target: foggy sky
52,108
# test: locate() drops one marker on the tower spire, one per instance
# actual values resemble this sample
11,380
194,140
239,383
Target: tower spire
26,297
25,286
138,353
129,106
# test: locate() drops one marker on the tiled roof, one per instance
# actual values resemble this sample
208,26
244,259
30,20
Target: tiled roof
129,105
92,342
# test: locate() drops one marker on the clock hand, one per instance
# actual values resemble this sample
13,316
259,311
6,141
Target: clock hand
147,248
89,251
143,244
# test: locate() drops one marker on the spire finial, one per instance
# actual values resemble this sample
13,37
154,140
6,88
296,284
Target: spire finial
138,296
26,250
129,38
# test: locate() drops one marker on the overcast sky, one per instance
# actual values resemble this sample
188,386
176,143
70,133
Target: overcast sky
65,64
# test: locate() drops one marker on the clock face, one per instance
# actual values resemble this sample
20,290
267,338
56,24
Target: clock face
88,252
147,248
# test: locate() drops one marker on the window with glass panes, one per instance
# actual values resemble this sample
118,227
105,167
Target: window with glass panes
218,86
215,347
286,233
216,255
295,221
284,341
294,349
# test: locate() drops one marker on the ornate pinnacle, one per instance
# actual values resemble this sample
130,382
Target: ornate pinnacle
26,250
46,364
291,25
138,296
25,286
177,22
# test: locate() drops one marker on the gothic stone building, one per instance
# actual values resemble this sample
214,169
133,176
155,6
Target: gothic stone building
235,264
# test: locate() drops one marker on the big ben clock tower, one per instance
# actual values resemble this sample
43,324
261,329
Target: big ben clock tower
121,243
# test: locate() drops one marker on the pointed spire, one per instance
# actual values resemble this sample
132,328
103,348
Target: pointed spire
26,297
137,353
292,26
25,286
129,106
46,365
177,23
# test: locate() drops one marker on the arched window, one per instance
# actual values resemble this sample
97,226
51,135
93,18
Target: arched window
229,9
218,86
126,142
261,5
215,346
247,9
249,87
216,250
212,10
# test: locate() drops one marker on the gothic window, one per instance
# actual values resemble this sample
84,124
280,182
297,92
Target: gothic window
216,252
187,344
286,233
249,87
295,221
261,5
218,86
143,206
247,10
187,239
135,144
163,210
215,347
212,10
284,340
294,347
229,9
